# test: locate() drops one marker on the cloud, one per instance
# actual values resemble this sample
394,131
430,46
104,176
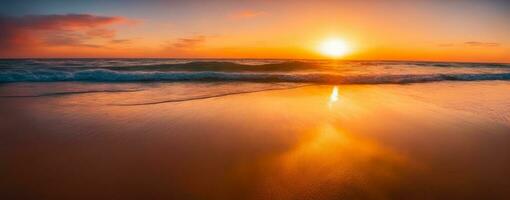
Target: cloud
102,33
120,41
471,44
55,30
189,43
481,44
246,14
62,22
68,39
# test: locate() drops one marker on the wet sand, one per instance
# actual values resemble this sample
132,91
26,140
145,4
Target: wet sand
420,141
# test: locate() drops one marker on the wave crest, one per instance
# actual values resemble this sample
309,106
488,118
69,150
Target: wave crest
107,75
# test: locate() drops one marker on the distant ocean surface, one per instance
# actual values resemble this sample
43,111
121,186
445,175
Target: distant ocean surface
293,71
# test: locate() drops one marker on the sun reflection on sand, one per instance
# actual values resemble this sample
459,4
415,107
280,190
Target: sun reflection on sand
333,97
330,159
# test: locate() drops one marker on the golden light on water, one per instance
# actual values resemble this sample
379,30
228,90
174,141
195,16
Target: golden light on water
334,47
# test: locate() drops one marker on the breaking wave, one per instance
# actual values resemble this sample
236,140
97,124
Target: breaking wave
105,75
375,72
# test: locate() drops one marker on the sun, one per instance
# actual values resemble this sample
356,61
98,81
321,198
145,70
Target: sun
334,47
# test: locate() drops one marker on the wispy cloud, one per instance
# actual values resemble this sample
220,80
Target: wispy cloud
190,42
68,39
102,33
56,30
470,44
120,41
481,44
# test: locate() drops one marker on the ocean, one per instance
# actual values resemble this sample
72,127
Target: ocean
301,71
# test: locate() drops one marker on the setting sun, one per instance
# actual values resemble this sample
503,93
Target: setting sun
334,47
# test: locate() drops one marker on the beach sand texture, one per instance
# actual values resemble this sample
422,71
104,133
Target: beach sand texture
445,140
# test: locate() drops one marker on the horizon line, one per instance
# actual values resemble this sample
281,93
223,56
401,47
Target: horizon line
241,58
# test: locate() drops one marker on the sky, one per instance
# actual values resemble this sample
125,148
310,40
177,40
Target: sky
435,30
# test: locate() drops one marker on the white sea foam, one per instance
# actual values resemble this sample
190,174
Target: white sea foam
302,72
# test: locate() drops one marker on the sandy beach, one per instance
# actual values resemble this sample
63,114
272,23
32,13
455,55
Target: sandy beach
445,140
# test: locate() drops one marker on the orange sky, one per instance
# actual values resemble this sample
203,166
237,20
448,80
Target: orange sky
400,30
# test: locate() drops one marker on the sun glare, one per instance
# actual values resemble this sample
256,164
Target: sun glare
334,97
334,47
